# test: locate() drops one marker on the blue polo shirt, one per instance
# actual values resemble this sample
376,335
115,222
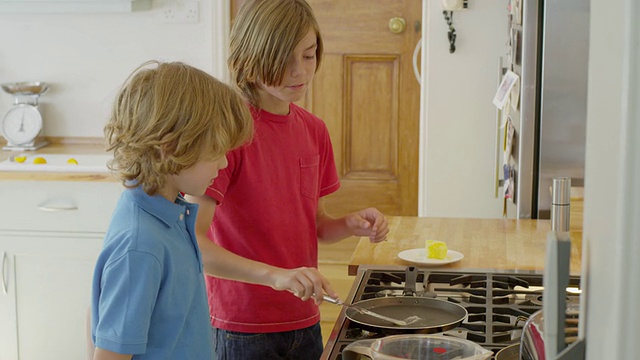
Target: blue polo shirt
149,297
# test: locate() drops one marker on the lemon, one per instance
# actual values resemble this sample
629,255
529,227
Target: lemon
39,160
20,159
72,161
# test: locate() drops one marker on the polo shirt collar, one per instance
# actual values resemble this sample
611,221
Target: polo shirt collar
160,207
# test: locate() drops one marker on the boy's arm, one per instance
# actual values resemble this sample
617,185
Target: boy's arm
303,282
102,354
368,222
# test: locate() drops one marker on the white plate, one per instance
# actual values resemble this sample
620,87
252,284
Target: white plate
419,256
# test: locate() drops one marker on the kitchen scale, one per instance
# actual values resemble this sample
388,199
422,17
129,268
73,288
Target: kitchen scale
22,124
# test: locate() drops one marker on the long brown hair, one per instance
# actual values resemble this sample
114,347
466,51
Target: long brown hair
263,37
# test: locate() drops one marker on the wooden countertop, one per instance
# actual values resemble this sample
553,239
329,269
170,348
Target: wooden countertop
60,146
485,243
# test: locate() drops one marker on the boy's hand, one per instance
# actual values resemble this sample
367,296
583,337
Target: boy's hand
305,283
368,222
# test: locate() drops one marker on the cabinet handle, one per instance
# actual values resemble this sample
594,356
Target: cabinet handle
58,208
4,281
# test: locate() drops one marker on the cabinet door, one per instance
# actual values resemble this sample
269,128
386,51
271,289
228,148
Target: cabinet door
48,291
8,328
66,206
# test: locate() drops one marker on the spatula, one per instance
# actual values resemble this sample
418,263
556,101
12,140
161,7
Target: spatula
405,322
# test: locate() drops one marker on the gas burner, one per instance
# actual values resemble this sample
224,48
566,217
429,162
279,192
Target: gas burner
389,293
534,299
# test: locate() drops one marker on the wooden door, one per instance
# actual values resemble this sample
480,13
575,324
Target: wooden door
368,95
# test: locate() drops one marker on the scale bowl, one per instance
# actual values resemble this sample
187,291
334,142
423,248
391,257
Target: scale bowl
25,88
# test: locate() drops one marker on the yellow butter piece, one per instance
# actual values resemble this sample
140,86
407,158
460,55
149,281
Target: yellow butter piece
436,249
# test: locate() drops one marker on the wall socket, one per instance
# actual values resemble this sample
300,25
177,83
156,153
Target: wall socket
452,5
182,12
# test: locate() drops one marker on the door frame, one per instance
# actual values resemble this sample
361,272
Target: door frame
220,27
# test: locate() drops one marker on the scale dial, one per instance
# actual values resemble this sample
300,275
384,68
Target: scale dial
22,124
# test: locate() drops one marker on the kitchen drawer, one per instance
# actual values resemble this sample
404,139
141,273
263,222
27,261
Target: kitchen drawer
58,205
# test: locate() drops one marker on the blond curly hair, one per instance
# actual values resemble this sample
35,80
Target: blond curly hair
163,117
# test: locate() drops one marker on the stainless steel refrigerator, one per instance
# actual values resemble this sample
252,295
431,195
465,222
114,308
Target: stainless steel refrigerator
548,49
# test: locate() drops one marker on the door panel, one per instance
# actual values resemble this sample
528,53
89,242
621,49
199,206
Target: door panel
370,151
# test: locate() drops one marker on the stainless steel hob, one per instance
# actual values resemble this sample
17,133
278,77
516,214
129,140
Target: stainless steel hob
498,302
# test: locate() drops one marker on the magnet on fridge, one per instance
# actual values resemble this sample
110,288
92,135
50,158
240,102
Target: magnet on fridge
512,184
507,180
504,116
502,94
504,208
514,99
516,11
509,133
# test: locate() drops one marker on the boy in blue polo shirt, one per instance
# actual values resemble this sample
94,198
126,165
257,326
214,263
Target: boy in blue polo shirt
170,129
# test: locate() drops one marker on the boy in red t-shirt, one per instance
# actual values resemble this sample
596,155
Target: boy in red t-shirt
269,213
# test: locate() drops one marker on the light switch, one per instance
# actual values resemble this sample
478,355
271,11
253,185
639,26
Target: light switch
182,12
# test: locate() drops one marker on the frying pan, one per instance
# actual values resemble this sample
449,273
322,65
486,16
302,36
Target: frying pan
435,315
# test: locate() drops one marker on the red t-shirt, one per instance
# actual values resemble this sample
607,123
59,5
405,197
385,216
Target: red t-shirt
267,202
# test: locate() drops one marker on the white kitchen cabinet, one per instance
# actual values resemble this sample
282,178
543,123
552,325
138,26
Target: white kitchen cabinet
50,237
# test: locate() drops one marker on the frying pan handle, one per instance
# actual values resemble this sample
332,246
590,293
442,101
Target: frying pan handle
411,276
329,299
357,348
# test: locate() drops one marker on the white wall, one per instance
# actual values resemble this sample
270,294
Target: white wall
86,57
458,171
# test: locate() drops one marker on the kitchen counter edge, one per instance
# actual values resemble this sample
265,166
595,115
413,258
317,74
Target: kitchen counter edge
78,145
